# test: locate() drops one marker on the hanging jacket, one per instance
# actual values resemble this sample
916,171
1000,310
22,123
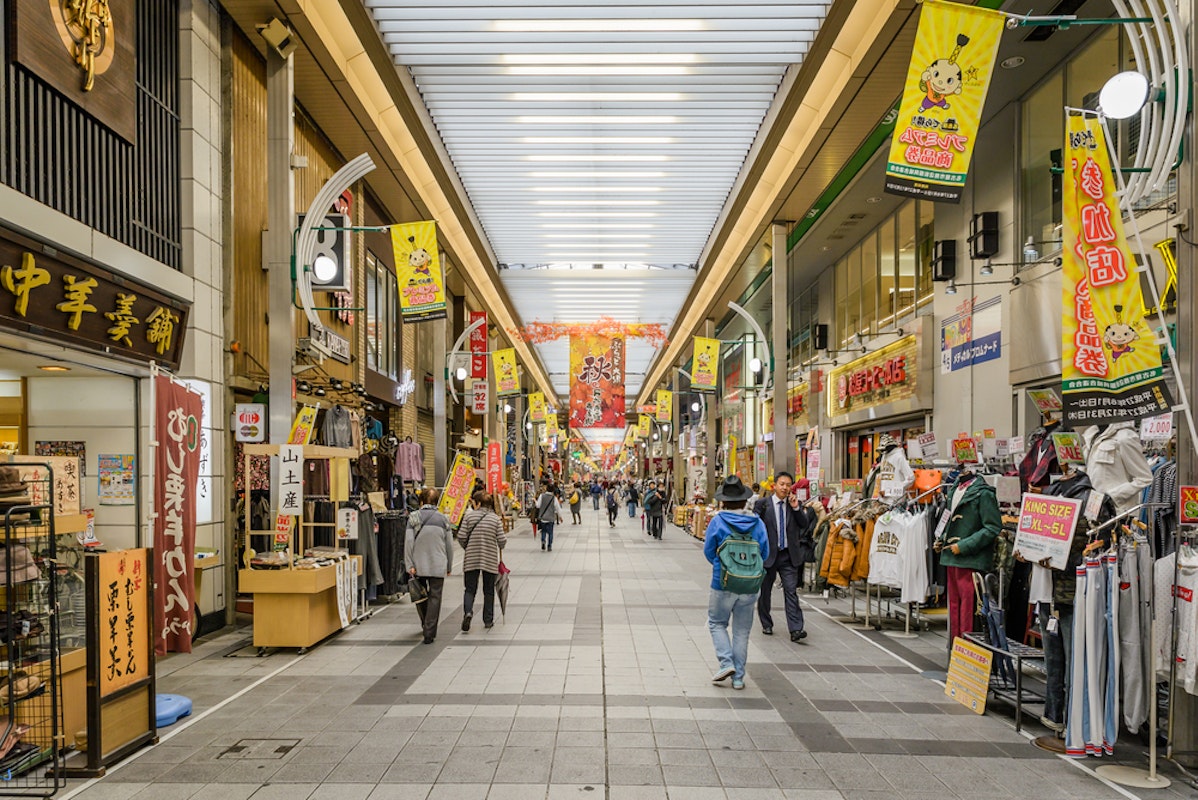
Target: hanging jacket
893,466
1040,461
840,554
865,538
1116,464
973,526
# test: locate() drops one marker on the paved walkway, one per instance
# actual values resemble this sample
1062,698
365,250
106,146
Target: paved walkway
597,685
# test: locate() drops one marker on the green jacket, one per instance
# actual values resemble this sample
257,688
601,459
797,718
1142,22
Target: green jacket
973,527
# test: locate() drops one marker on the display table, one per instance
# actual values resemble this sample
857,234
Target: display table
294,607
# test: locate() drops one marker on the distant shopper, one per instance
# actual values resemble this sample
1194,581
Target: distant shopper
655,509
481,536
613,504
428,556
757,495
735,544
634,497
576,504
549,513
596,490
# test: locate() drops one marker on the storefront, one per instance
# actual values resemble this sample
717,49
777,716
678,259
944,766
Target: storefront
887,391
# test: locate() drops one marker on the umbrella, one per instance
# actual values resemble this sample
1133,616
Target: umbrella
992,613
501,588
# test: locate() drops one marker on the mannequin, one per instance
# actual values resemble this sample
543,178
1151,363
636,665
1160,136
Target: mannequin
891,476
1116,464
1040,463
966,546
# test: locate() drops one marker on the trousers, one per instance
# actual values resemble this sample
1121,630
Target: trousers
430,609
1058,648
789,573
961,602
471,580
655,525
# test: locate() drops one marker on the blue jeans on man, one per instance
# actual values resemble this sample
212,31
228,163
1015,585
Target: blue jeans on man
631,509
546,529
723,607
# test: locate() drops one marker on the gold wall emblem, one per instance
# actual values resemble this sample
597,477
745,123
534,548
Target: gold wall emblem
86,30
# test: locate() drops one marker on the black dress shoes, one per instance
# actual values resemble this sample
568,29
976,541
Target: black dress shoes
798,636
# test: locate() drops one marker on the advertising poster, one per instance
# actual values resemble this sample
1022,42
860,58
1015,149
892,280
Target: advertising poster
968,679
117,480
1046,528
536,406
507,377
418,271
551,428
643,426
1111,363
458,488
478,345
1187,505
665,405
705,364
596,381
943,97
301,429
972,335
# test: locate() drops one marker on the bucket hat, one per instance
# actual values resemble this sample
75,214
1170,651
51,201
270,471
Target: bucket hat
732,490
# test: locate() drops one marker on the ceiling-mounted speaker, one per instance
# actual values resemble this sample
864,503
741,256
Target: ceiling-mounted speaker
983,235
944,260
819,336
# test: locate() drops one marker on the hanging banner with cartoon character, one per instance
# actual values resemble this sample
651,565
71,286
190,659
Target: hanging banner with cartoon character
507,377
418,270
643,423
1111,363
536,406
596,381
943,97
705,364
665,405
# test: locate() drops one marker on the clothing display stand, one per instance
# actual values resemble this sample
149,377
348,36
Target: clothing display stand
293,607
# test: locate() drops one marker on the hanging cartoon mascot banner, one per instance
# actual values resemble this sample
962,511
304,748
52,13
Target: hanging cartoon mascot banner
596,381
705,364
665,405
536,406
418,270
507,377
643,423
1111,363
950,71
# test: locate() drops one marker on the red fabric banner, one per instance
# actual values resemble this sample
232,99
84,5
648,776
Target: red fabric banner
478,345
596,381
177,413
494,466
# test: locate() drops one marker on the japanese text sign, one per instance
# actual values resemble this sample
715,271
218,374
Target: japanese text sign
536,406
1046,528
1187,505
124,634
1158,428
968,679
965,451
418,271
665,405
597,363
70,301
303,426
458,488
494,467
290,487
1069,447
928,445
66,488
945,91
705,364
642,425
480,401
1111,363
478,345
507,377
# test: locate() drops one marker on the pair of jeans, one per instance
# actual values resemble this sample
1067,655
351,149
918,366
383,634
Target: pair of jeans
546,529
595,500
611,514
655,526
961,602
631,509
1057,647
430,609
471,578
723,607
789,573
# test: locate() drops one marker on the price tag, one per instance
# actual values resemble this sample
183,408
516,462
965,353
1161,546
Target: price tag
347,524
1053,623
1094,504
1015,445
945,516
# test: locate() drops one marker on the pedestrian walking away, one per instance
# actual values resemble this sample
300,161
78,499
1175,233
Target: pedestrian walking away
549,513
735,545
481,536
428,557
655,509
790,529
634,497
576,505
613,505
596,491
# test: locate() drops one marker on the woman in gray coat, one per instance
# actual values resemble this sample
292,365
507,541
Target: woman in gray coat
428,555
481,536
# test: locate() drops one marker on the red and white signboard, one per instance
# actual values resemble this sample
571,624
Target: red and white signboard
1187,505
478,345
249,422
494,467
479,396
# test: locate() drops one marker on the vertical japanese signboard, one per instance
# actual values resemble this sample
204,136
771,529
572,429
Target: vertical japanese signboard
642,425
1111,363
478,345
418,271
943,97
665,405
536,406
705,364
968,680
176,475
458,488
480,402
494,467
507,377
596,381
124,620
290,488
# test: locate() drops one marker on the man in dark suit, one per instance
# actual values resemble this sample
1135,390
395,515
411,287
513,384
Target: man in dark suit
788,526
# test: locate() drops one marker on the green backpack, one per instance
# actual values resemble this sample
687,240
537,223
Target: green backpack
741,565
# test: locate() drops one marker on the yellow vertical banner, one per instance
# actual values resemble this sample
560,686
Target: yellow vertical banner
945,91
732,455
551,428
665,405
1111,363
705,364
418,271
507,377
458,488
642,426
302,427
536,406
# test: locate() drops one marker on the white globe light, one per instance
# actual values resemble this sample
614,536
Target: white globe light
324,268
695,406
507,408
1123,95
461,373
528,425
755,365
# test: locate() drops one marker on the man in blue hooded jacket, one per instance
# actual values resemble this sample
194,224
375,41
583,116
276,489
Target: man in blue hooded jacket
723,606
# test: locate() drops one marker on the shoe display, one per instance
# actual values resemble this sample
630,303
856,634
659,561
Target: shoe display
738,684
723,674
466,622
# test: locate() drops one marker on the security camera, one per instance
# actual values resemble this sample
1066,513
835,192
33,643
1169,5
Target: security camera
278,36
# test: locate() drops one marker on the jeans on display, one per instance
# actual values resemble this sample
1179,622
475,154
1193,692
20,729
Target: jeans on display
789,573
725,606
655,526
631,509
471,578
546,533
430,609
961,602
1057,655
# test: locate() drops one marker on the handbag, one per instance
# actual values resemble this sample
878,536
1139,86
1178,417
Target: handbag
416,590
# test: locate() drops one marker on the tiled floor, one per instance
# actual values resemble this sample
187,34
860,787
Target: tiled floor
596,685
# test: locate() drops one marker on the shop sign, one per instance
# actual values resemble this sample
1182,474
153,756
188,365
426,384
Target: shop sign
1069,447
760,459
796,405
478,345
968,679
965,451
418,271
338,346
705,364
67,486
290,486
1111,363
249,422
494,466
1045,528
458,489
479,396
74,303
123,622
507,377
1157,429
1187,505
943,97
972,335
884,376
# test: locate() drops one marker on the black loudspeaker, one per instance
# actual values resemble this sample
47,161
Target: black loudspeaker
944,260
983,235
819,336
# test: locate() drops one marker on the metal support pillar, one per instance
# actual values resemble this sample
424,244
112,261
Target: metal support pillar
783,438
675,434
712,412
276,253
439,334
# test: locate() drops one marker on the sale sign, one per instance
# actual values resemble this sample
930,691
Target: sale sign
965,450
1046,528
459,487
1069,448
1187,508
